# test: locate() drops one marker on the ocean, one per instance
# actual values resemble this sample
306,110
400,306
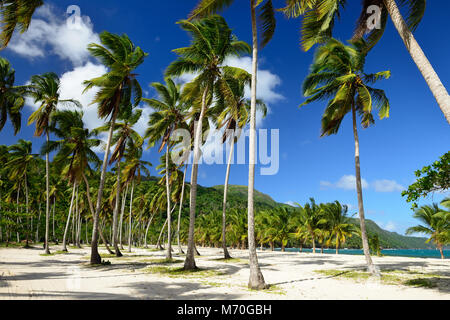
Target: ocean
415,253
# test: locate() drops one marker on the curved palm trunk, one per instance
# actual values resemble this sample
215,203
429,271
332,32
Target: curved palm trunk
116,213
226,254
158,243
256,280
95,257
131,216
180,250
47,207
169,216
370,266
189,263
124,199
434,82
53,224
68,219
77,221
146,230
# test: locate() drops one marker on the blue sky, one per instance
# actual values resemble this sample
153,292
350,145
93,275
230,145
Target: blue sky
415,135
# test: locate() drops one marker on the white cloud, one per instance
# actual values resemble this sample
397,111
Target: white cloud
347,182
389,226
291,203
387,186
49,32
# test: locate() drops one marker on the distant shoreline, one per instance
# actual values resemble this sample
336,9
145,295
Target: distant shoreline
410,253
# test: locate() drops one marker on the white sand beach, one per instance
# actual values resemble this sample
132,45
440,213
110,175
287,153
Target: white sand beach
27,274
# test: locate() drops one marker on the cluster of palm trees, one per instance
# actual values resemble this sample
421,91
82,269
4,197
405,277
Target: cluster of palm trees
216,93
327,224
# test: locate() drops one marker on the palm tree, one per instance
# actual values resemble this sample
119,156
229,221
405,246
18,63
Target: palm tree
125,136
338,223
309,216
74,153
233,115
11,96
212,42
266,23
433,224
132,174
318,23
45,90
20,161
338,72
169,116
16,14
116,89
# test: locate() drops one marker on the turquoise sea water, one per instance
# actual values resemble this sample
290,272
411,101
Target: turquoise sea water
418,253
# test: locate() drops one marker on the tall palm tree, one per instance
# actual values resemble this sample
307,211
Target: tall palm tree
117,88
45,90
19,164
16,14
318,23
266,23
169,115
338,223
132,175
74,153
11,96
338,73
433,224
233,115
212,42
124,136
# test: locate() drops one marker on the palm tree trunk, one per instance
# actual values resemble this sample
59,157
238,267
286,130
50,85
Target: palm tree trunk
47,188
337,246
226,254
38,222
68,219
158,243
54,209
17,205
371,267
115,236
95,257
189,263
124,200
180,250
146,230
26,203
256,280
169,216
442,252
434,82
131,216
77,218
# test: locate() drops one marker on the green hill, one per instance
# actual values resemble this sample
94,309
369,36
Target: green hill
210,199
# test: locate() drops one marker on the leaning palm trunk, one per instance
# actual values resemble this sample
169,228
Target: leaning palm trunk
68,219
158,243
434,82
189,263
169,216
95,257
226,254
256,280
146,230
180,250
116,214
370,266
131,216
47,188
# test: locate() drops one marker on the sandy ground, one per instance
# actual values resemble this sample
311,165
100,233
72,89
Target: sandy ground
26,274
